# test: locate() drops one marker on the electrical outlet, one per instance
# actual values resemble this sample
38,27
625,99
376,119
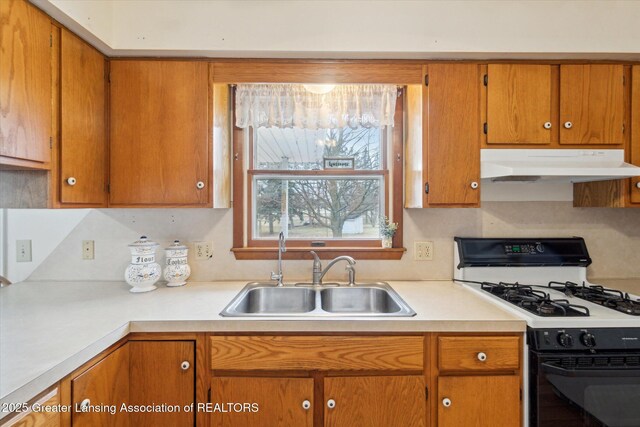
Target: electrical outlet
423,251
23,251
88,249
204,250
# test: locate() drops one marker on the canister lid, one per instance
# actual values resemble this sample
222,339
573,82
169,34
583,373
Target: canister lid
176,245
143,242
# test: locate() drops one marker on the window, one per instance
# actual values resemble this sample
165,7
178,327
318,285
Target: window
325,188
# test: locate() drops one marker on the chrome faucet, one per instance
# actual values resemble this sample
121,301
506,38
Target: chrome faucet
282,248
318,272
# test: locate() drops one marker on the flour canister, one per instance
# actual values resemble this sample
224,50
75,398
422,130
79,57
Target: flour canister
176,270
144,271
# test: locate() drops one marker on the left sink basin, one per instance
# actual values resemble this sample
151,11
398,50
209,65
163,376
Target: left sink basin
260,300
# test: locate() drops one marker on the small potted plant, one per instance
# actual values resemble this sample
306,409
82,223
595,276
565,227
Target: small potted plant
387,231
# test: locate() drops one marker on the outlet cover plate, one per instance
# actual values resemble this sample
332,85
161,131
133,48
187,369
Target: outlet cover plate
204,250
23,251
423,251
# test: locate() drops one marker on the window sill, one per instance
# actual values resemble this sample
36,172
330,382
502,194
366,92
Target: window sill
257,253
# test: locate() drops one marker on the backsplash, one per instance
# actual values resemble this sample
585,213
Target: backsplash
612,236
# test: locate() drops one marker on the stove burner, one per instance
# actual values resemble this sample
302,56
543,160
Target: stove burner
533,300
610,298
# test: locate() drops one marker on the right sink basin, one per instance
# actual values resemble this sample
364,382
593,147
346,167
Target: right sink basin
357,299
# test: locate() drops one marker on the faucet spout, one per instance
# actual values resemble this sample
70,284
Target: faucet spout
282,248
319,273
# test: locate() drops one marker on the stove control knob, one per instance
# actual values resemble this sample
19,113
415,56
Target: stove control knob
588,339
565,340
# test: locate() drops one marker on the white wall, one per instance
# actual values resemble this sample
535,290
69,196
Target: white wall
374,29
46,228
612,236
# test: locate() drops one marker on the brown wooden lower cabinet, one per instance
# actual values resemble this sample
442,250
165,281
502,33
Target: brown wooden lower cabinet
32,418
479,401
376,401
251,401
162,372
103,386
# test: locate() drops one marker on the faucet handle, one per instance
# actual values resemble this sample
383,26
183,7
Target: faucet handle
316,260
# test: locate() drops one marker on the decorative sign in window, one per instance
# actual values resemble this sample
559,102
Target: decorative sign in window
339,163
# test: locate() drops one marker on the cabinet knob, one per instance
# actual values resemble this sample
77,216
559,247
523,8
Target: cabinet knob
568,125
306,405
547,125
200,185
474,185
331,403
185,365
84,405
71,181
638,184
446,402
482,356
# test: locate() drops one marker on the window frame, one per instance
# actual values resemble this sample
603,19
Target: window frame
246,246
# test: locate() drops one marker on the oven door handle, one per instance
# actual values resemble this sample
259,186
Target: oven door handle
552,369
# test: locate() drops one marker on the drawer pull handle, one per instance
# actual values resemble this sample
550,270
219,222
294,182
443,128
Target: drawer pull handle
446,402
331,403
84,405
71,181
306,405
185,365
482,356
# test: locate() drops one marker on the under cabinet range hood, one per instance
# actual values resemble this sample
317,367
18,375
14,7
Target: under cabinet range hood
560,165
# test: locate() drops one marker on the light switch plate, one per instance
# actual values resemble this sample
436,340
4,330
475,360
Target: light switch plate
88,247
23,251
423,251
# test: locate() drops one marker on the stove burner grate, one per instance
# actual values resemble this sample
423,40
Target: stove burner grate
610,298
533,300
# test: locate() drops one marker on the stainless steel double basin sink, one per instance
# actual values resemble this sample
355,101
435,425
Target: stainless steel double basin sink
306,300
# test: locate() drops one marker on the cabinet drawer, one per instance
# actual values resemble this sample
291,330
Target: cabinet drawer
38,419
317,353
478,353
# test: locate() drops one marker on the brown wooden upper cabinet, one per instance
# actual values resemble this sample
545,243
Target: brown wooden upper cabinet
519,104
25,86
592,104
83,148
160,144
634,197
452,131
553,105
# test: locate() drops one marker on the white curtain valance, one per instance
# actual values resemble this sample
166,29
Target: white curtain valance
293,105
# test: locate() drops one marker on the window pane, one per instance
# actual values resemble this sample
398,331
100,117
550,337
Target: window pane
308,208
305,149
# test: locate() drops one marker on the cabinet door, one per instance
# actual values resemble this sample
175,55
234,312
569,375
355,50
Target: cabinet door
519,103
32,418
375,401
273,402
102,387
25,83
635,132
453,130
591,104
162,372
476,401
160,144
82,123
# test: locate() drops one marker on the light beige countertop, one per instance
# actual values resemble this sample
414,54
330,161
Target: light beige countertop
48,329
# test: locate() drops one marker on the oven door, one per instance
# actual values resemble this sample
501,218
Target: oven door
586,390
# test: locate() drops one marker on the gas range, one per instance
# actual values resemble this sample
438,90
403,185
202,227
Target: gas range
583,339
543,281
